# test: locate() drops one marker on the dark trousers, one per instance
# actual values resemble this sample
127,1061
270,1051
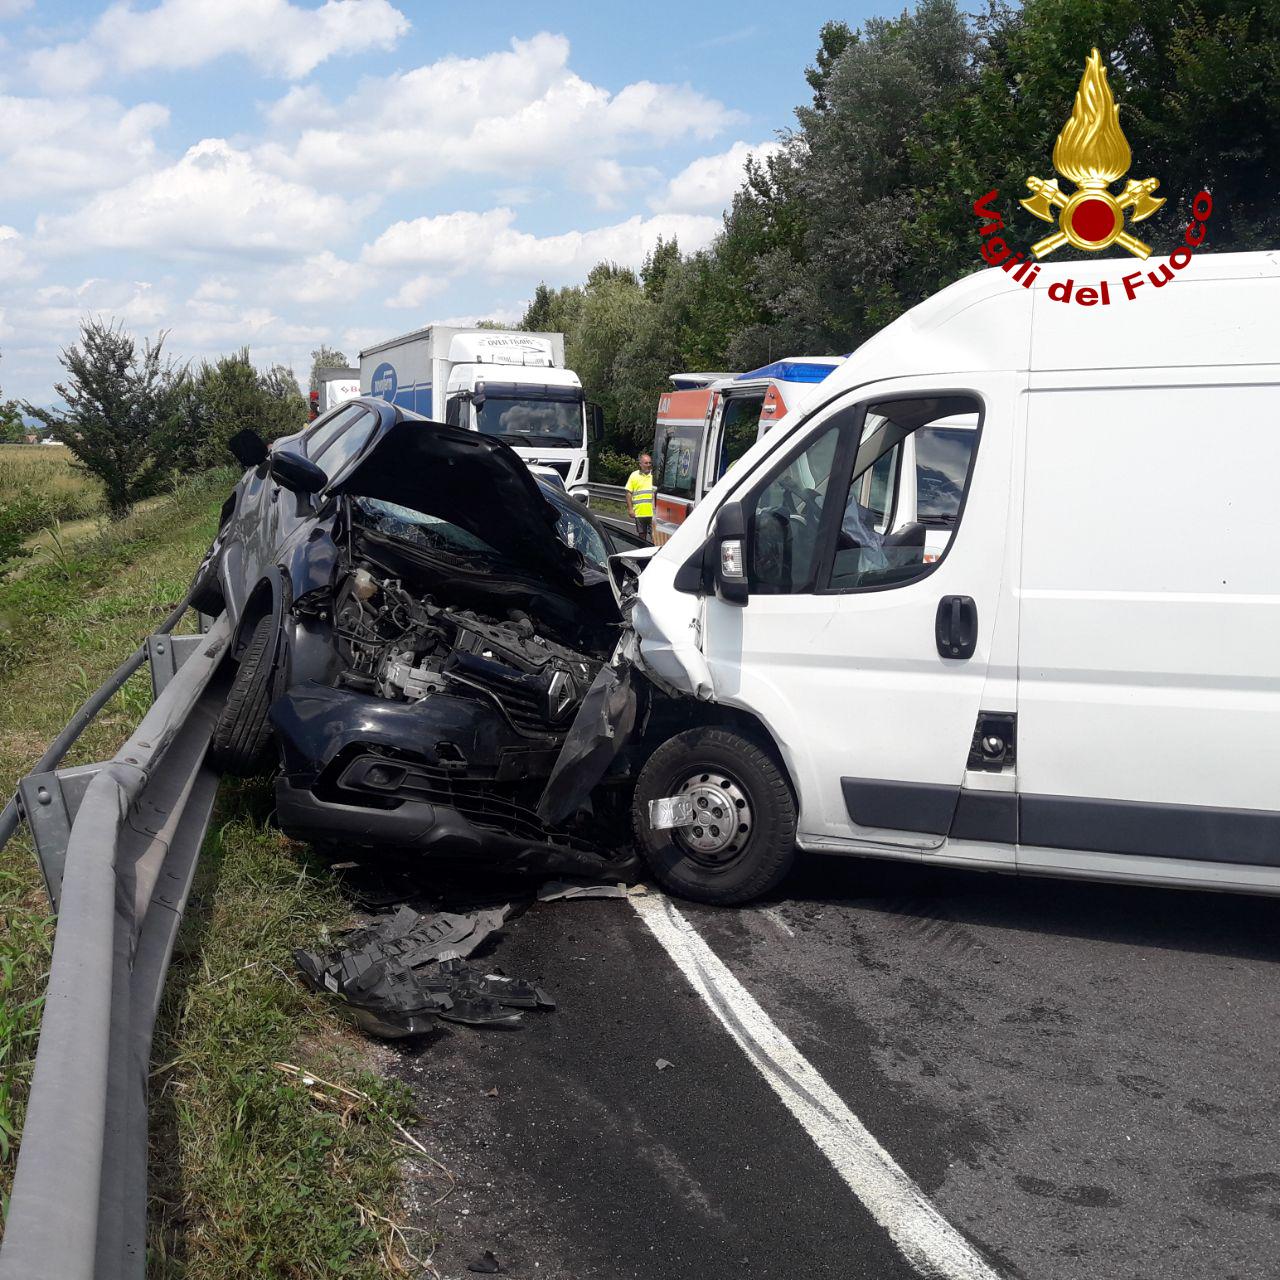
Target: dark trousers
644,527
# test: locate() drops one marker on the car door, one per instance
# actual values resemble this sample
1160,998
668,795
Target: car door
867,663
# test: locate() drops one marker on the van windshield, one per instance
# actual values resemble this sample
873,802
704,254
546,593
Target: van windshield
553,424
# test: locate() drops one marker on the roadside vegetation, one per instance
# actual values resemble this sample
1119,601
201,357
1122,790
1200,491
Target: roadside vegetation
865,207
254,1170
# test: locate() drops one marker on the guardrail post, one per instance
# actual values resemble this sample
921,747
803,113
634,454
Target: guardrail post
50,802
166,654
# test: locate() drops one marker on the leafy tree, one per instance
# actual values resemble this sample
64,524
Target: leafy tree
11,429
121,421
230,395
325,357
658,266
552,310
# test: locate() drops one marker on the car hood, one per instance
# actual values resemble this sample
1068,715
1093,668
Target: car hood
472,481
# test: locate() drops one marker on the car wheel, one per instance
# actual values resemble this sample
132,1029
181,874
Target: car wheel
745,845
242,736
206,591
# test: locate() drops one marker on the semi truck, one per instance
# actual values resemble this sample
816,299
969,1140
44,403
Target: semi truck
709,420
334,386
506,384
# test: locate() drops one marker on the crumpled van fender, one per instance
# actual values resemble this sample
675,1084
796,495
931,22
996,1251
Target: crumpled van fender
668,629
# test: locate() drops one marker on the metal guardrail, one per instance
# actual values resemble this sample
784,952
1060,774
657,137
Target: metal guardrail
612,492
118,844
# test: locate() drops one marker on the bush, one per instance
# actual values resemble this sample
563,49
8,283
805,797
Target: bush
608,466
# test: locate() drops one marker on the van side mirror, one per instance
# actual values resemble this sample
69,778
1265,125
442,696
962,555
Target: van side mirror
248,448
597,422
728,549
294,472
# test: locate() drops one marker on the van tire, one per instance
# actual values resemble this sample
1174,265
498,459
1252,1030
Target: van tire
242,737
726,876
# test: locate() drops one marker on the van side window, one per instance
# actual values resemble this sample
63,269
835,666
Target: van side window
786,517
906,494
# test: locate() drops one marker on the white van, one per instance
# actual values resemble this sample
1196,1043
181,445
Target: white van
1059,656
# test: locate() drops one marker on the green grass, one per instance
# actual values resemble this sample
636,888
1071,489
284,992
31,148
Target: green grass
41,485
254,1173
47,469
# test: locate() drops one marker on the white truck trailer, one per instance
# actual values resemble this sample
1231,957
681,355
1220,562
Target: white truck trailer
502,383
335,386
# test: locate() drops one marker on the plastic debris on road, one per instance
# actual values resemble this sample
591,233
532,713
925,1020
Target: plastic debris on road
398,977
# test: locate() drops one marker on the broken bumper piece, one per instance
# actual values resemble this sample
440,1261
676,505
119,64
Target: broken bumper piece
397,978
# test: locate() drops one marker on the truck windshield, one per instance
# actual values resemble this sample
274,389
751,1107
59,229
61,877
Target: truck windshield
554,424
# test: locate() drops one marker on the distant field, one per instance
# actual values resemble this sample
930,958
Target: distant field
40,486
46,469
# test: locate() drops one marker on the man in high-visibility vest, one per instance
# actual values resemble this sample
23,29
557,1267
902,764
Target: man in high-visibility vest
640,497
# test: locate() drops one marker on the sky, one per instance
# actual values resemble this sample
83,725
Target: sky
282,173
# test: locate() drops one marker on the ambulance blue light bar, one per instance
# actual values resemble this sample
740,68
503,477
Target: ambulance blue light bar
795,370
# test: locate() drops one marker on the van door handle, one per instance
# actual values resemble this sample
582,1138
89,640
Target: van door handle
956,626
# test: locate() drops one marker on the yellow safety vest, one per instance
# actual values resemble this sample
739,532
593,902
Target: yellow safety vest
640,487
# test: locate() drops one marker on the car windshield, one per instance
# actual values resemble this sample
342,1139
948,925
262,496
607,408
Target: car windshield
576,530
573,528
431,532
554,424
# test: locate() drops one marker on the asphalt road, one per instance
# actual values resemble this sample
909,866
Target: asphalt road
1081,1078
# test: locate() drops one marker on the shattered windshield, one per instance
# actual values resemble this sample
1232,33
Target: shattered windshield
426,531
555,424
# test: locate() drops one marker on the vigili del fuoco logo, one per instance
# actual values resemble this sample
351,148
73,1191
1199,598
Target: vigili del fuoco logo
1091,152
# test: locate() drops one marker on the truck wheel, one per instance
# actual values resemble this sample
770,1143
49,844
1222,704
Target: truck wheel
744,841
242,737
206,591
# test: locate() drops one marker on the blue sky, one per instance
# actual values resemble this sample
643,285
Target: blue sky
281,172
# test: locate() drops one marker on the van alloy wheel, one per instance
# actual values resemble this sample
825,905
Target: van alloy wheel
722,815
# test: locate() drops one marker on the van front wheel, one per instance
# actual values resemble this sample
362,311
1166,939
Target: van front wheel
741,841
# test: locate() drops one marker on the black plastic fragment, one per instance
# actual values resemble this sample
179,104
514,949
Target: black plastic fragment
396,978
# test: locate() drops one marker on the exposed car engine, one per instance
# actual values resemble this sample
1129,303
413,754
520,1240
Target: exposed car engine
404,647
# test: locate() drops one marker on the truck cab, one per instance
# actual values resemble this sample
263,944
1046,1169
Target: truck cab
709,420
509,385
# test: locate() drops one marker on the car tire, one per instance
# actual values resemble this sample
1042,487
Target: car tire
242,736
717,863
206,590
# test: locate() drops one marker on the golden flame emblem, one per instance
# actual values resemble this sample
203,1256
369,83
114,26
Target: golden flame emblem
1092,152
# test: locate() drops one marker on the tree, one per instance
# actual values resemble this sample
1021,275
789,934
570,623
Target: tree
230,395
121,421
11,429
325,357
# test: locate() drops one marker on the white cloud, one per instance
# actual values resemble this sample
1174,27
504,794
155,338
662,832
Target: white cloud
512,113
279,37
322,277
710,181
52,146
213,200
607,181
416,290
489,243
14,263
12,8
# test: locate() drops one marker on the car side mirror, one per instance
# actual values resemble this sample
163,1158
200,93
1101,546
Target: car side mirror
728,549
597,422
477,396
294,472
248,448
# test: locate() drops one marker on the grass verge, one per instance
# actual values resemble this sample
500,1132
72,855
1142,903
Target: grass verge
254,1171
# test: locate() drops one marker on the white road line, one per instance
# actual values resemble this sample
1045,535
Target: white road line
771,914
928,1241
